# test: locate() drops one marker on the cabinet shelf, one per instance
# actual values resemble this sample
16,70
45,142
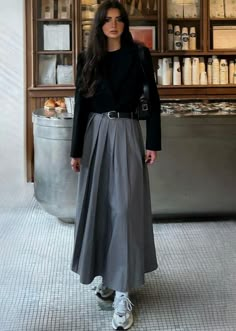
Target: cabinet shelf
190,53
187,19
131,18
223,19
204,92
52,87
56,20
179,53
222,52
197,86
143,18
54,52
49,91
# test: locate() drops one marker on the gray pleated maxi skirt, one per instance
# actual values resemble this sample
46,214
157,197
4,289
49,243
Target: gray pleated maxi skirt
113,225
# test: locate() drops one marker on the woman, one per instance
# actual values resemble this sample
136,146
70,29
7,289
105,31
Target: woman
113,228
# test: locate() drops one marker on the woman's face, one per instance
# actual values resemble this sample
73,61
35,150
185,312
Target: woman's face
113,26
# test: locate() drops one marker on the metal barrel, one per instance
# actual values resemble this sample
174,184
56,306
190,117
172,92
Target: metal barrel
55,184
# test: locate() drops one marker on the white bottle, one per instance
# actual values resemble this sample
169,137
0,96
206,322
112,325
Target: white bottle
170,37
215,70
231,72
192,38
223,71
187,71
159,71
176,71
202,67
177,38
185,38
166,71
195,71
209,70
227,72
170,70
235,67
203,78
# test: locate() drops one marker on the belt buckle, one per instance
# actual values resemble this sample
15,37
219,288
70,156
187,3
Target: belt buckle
109,114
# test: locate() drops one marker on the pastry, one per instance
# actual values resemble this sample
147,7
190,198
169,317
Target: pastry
50,104
60,105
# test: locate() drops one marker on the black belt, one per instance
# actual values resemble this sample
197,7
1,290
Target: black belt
115,114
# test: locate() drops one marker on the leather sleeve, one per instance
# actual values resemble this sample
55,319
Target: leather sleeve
80,116
153,124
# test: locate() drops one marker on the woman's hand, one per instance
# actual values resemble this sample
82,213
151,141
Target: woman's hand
75,164
150,156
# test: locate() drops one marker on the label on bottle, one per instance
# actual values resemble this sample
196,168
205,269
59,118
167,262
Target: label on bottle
178,44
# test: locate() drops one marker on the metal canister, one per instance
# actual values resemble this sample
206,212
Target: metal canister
55,184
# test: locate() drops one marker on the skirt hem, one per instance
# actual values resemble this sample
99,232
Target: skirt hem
141,283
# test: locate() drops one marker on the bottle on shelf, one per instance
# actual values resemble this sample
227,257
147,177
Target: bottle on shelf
235,71
185,38
209,70
170,37
223,71
177,38
202,67
187,71
159,71
203,78
215,70
195,71
231,72
167,71
176,71
192,38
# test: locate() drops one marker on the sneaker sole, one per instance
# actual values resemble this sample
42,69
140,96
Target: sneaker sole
121,327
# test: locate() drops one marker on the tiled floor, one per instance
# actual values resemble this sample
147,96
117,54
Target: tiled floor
193,289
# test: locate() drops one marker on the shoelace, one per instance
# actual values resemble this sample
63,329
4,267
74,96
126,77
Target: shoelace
122,304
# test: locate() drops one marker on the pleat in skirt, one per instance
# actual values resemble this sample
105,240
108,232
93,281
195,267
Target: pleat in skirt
113,224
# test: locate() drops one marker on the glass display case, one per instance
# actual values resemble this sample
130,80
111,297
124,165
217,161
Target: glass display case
54,44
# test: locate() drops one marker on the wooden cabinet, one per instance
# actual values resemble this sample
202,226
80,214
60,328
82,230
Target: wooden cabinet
52,46
205,16
58,30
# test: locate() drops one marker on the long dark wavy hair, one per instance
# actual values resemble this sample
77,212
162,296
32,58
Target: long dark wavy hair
94,66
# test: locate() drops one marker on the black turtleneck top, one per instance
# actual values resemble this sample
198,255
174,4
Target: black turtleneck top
119,89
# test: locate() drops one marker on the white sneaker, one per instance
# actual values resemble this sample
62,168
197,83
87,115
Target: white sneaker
104,292
122,317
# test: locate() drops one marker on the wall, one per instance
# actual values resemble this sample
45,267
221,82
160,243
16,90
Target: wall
13,186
